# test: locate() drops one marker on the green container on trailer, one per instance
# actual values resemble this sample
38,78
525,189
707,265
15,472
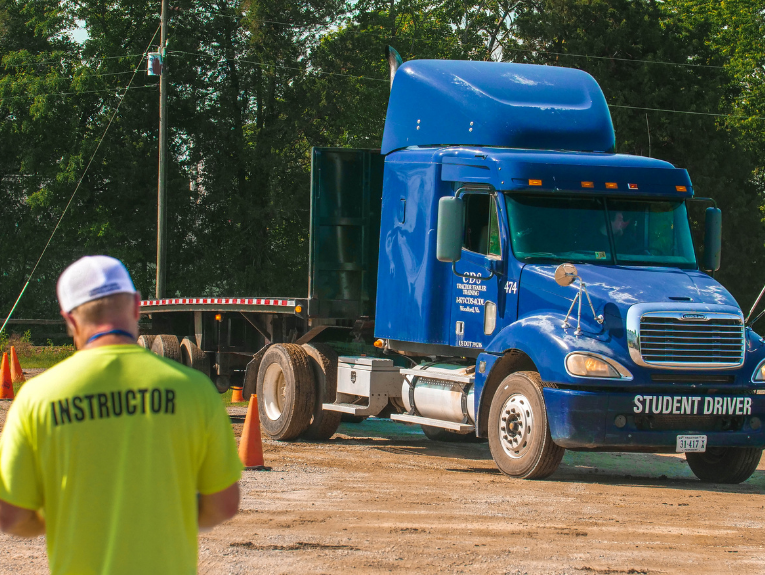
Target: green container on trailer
346,198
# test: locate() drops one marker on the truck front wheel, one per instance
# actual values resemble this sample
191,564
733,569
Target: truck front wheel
285,391
519,435
724,464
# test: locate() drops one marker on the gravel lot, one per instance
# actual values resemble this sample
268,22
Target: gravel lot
380,497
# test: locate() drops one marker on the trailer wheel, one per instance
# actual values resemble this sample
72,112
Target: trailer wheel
192,356
323,360
449,436
285,391
167,346
146,341
724,464
519,434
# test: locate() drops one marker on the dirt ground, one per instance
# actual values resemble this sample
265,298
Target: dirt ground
380,497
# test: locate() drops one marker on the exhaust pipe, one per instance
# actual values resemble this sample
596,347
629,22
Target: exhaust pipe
394,61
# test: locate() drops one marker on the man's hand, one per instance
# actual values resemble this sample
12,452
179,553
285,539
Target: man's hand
19,521
218,507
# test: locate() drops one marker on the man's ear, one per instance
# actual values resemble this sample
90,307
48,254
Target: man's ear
137,306
70,323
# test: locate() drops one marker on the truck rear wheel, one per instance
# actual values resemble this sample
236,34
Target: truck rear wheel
724,464
285,391
192,356
323,360
167,346
519,434
146,340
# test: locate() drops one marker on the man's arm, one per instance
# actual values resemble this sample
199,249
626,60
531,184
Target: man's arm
216,508
21,522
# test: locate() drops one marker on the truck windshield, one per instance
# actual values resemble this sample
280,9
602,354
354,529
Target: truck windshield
601,230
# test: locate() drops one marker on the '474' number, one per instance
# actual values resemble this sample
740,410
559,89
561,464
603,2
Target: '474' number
511,287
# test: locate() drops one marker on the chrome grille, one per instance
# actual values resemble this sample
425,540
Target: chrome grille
668,339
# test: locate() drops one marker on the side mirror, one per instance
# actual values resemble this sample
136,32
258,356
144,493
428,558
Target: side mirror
712,239
451,221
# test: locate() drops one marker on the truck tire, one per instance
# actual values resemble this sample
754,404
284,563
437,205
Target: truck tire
285,391
192,356
323,360
519,434
724,464
250,384
167,346
448,436
146,341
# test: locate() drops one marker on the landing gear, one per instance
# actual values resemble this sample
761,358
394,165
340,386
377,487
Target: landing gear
724,464
519,435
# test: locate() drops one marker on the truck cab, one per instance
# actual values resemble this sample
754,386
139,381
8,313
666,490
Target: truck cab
517,244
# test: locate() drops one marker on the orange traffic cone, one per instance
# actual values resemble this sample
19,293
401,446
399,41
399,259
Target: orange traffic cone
236,395
17,374
251,445
6,383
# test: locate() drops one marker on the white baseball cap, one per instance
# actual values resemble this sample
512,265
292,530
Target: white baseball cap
92,277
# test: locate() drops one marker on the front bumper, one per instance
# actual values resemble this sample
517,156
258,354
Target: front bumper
590,419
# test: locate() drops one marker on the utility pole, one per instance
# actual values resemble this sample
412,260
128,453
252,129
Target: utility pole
161,200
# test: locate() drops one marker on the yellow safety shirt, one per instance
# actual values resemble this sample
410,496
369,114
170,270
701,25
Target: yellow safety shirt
114,444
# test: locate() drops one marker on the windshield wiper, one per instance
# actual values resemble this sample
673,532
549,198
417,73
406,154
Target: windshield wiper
543,255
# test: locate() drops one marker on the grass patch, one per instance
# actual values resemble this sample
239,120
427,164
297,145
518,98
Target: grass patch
34,356
226,397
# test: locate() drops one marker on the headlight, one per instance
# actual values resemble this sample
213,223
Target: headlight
594,365
759,373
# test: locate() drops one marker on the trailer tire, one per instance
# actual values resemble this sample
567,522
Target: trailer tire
167,346
525,451
192,356
323,361
285,391
146,341
724,464
449,436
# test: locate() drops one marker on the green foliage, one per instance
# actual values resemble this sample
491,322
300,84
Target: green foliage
253,85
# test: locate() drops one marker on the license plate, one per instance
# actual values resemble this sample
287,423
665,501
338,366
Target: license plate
691,443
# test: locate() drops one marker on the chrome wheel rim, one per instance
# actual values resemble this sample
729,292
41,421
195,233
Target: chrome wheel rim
516,425
274,391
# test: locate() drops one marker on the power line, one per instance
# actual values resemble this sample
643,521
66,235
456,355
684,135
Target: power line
266,65
82,177
116,89
687,112
58,61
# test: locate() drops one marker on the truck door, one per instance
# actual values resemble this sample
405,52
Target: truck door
475,311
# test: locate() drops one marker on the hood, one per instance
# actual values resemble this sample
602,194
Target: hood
626,286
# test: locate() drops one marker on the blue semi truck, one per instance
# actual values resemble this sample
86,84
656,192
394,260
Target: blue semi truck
497,271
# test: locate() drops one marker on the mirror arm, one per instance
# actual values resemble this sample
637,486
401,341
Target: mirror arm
754,307
459,275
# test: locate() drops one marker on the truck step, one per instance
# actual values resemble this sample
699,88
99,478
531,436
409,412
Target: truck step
352,408
461,427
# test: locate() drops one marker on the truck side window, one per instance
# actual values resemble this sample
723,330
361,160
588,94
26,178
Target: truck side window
481,225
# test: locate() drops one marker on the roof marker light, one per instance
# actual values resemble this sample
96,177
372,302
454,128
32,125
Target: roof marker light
681,188
535,182
632,186
611,186
588,184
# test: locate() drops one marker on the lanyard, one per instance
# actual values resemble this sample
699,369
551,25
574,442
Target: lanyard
122,332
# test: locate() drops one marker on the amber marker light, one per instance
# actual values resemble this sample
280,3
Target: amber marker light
379,343
611,185
298,308
218,317
588,184
632,186
535,182
681,188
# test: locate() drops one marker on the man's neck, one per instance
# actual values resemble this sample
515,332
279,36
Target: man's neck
88,341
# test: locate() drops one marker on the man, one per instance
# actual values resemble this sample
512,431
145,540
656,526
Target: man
117,455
